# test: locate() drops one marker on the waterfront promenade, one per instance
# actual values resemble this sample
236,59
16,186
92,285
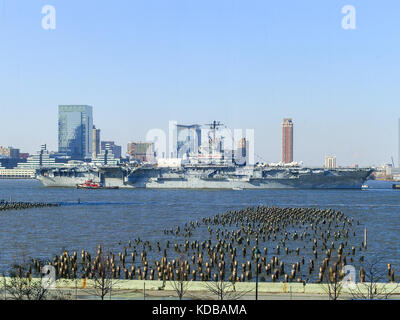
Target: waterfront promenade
199,290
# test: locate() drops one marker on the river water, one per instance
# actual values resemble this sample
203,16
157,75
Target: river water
87,218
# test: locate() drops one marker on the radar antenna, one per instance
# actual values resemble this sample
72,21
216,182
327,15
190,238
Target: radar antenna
214,126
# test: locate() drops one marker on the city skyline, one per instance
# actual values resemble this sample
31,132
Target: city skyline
287,142
249,66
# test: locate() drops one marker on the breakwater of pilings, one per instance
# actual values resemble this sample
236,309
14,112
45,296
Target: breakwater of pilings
12,205
293,245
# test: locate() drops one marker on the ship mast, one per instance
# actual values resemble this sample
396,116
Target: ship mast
214,126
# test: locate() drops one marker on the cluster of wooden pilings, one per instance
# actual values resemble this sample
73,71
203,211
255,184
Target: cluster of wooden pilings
271,243
11,205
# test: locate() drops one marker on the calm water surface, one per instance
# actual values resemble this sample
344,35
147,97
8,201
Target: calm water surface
113,217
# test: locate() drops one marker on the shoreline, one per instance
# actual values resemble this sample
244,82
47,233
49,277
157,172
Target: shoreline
156,288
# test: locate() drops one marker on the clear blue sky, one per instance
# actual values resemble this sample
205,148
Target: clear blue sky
248,64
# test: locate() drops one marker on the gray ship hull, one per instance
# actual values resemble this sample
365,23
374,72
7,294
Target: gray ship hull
253,184
271,179
213,178
67,182
66,177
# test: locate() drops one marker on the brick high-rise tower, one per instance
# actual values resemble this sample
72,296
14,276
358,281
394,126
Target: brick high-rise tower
287,141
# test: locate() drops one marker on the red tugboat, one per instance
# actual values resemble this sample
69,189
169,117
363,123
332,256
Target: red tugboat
89,184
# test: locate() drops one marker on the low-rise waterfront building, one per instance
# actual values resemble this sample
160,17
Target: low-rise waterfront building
40,159
17,173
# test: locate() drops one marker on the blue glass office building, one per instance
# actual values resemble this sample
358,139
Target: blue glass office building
188,139
75,123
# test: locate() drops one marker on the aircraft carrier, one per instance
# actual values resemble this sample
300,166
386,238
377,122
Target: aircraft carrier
207,177
208,168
